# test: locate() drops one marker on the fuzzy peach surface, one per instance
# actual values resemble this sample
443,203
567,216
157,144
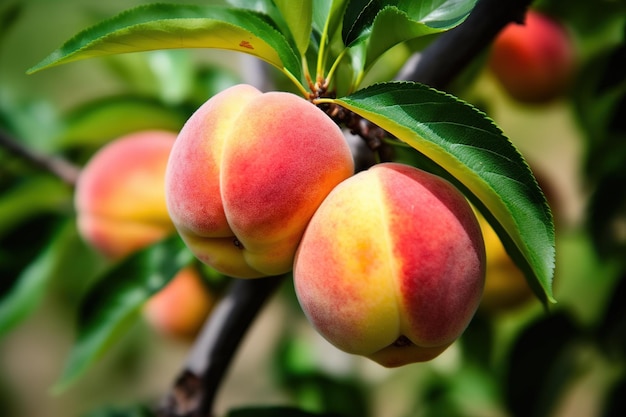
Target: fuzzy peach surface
120,198
246,174
391,265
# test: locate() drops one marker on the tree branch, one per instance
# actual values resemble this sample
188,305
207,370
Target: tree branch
440,63
63,169
195,388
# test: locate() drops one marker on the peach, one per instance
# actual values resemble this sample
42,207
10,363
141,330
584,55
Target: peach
120,198
505,284
392,265
246,174
534,62
180,309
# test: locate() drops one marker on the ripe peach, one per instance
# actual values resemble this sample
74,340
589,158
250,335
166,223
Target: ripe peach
180,309
391,265
505,285
120,198
246,174
534,62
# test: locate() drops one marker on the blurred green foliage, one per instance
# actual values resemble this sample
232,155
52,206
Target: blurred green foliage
569,361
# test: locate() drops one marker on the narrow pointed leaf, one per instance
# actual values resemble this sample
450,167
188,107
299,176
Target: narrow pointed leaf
299,16
393,26
113,305
328,14
437,13
170,26
359,17
488,168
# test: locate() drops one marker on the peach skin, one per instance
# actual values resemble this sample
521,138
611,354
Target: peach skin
246,174
119,197
506,288
392,265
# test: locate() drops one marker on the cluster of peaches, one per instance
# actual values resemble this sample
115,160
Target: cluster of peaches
388,263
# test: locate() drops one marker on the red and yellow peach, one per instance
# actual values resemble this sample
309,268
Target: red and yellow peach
506,288
246,174
119,196
180,309
120,205
535,61
391,265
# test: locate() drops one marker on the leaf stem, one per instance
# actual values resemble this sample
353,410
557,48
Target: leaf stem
332,69
194,390
321,54
298,84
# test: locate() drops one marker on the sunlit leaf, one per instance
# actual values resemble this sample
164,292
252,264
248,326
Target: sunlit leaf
437,13
480,160
113,305
393,26
382,24
170,26
298,15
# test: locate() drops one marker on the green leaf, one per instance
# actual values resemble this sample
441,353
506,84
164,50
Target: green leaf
299,17
170,26
30,197
113,305
381,24
90,124
393,25
32,283
437,13
328,14
359,17
480,160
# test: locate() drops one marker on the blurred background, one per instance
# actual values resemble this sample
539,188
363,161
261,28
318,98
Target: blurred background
515,359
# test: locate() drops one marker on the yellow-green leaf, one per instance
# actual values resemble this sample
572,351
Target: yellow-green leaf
170,26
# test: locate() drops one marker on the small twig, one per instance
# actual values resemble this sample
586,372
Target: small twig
60,167
195,388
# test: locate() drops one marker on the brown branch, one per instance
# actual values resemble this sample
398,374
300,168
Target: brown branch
449,54
60,167
195,388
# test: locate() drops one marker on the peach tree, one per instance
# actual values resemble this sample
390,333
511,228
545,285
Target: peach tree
261,181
